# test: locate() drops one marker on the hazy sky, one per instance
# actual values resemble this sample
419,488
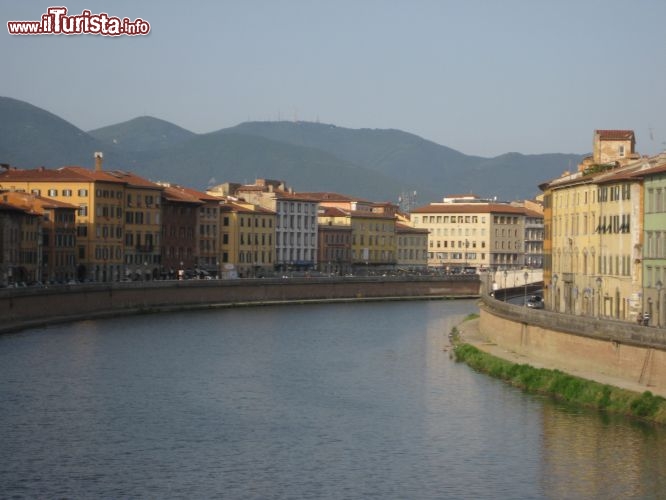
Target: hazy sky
484,77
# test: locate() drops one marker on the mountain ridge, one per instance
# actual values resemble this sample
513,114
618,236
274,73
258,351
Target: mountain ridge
370,163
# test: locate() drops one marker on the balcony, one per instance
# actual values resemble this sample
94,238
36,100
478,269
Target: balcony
144,248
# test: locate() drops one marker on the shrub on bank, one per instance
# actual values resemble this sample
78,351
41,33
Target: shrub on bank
565,387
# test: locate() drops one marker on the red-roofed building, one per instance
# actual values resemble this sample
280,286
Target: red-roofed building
56,255
117,222
20,235
613,146
335,241
179,223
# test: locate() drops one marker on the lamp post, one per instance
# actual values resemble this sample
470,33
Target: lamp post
659,285
505,275
598,281
466,248
649,311
526,275
555,277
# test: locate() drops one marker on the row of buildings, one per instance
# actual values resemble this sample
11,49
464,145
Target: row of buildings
605,233
76,223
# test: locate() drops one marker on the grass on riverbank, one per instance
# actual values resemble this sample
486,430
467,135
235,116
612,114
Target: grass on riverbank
562,386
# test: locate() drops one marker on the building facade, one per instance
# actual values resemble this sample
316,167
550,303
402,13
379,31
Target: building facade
600,261
471,232
247,239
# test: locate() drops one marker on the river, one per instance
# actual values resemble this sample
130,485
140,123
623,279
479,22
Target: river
336,401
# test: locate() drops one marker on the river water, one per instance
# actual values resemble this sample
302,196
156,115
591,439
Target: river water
340,401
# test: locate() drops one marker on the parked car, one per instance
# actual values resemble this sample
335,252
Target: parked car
535,302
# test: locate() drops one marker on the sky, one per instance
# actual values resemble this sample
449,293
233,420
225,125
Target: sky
484,77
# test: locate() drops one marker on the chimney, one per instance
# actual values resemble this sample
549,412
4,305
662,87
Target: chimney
99,157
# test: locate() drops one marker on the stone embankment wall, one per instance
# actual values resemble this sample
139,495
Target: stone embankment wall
27,307
577,343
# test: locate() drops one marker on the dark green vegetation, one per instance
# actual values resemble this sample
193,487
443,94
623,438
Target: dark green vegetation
369,163
565,387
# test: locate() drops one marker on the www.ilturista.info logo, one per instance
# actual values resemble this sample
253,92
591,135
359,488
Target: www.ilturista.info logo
57,22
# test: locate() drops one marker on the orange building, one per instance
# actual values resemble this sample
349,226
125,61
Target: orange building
57,246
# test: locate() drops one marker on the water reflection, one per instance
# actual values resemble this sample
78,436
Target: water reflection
334,401
590,455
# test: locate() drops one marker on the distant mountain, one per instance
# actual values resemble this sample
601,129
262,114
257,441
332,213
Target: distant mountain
218,157
373,164
412,159
144,133
31,136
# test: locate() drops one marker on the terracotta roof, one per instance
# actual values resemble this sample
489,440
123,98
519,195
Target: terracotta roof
615,135
246,208
325,211
325,196
9,207
30,201
179,195
404,228
471,208
76,174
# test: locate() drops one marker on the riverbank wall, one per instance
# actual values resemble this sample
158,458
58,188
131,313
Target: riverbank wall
22,308
578,344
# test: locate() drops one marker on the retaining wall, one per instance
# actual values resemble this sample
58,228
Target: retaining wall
617,349
27,307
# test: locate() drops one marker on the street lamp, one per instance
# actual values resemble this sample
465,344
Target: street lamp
598,281
505,275
555,277
659,285
466,248
649,311
526,275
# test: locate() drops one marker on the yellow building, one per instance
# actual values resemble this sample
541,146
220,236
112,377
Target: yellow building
594,233
295,220
373,229
247,236
412,248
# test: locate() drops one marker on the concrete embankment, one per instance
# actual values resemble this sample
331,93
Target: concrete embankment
30,307
611,352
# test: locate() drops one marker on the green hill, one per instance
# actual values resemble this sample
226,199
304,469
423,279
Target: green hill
31,136
213,158
144,133
412,159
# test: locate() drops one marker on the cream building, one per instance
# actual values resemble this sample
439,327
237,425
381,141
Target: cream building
465,231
